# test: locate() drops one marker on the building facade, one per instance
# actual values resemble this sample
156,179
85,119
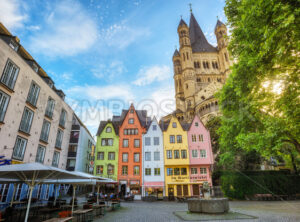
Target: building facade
200,70
176,157
35,121
201,156
107,150
132,126
153,161
80,151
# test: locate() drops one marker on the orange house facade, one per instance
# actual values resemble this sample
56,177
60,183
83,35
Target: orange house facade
132,126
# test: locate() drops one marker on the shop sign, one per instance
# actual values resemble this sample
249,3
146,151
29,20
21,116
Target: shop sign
183,178
134,182
123,182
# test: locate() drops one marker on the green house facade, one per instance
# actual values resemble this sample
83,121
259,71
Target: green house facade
107,150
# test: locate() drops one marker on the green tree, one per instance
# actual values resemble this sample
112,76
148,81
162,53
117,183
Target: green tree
260,100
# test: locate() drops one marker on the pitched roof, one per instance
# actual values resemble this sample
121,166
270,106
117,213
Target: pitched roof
102,125
219,23
176,53
182,23
164,125
142,116
198,41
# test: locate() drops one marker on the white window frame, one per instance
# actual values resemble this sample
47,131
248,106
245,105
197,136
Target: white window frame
19,149
33,93
55,159
40,154
203,170
156,171
10,74
147,156
203,153
26,120
194,153
194,170
63,117
4,100
59,138
156,156
45,131
50,107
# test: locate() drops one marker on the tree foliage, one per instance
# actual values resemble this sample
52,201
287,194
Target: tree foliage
260,100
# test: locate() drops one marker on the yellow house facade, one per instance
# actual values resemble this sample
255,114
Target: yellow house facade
176,158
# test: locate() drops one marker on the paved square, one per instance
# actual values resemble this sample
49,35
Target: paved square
140,211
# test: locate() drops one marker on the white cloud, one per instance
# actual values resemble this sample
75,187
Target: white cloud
101,93
151,74
33,27
11,14
110,71
121,35
68,30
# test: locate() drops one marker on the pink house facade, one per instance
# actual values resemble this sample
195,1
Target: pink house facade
201,156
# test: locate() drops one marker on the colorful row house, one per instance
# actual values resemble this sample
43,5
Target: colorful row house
153,161
107,150
148,158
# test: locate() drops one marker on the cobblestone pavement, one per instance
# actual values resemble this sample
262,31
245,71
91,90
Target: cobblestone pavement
139,211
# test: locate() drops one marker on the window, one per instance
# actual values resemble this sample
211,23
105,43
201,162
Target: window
183,154
172,139
176,154
19,148
203,170
10,74
201,137
124,170
154,127
26,120
59,138
176,171
147,156
107,142
136,157
169,172
110,169
194,139
203,153
136,143
14,45
194,171
194,153
183,171
50,107
156,171
131,111
100,156
125,142
99,169
111,155
174,125
55,159
124,157
179,139
108,129
147,141
62,119
131,121
148,171
33,93
4,99
169,154
40,154
136,170
156,141
156,155
196,124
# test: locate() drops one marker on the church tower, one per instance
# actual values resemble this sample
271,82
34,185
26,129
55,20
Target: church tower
200,70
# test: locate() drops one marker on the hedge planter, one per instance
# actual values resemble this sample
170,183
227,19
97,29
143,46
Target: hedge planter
212,206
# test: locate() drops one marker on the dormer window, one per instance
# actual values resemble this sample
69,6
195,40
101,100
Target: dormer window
131,121
35,67
14,45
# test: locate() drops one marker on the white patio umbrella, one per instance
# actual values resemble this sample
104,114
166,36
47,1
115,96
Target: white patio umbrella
33,174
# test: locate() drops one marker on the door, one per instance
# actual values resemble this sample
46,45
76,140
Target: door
123,190
179,190
195,190
185,190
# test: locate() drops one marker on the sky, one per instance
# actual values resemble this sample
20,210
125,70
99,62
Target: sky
106,54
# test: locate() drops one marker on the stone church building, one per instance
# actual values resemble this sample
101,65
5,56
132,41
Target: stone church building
200,70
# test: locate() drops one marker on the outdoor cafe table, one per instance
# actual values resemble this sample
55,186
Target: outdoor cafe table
84,215
59,219
99,209
115,205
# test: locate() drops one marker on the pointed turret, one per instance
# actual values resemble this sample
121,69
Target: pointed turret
182,23
198,41
176,53
219,24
